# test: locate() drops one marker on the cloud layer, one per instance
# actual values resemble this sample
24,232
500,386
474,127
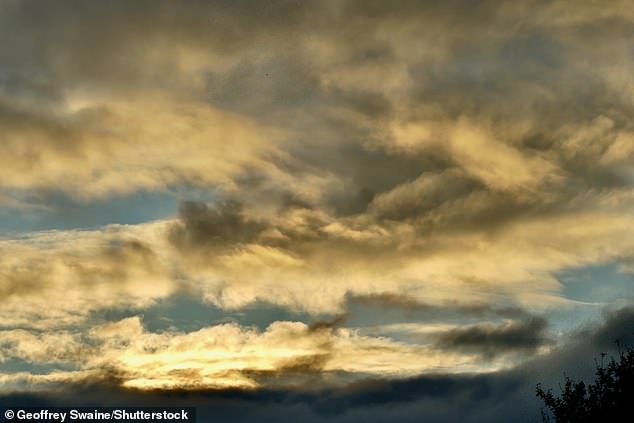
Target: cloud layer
402,183
499,396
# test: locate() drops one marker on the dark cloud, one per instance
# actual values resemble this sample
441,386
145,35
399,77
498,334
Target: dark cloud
438,398
368,171
222,224
507,329
618,326
489,340
581,349
328,325
425,311
22,124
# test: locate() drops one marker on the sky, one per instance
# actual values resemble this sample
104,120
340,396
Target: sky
318,210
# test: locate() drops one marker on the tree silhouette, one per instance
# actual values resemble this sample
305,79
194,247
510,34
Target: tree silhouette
610,397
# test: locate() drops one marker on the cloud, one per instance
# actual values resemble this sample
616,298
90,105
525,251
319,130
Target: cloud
490,340
226,355
387,301
52,348
402,99
446,160
232,260
498,396
54,279
359,256
76,151
224,224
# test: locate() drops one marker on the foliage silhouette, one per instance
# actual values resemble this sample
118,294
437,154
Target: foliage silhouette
608,399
